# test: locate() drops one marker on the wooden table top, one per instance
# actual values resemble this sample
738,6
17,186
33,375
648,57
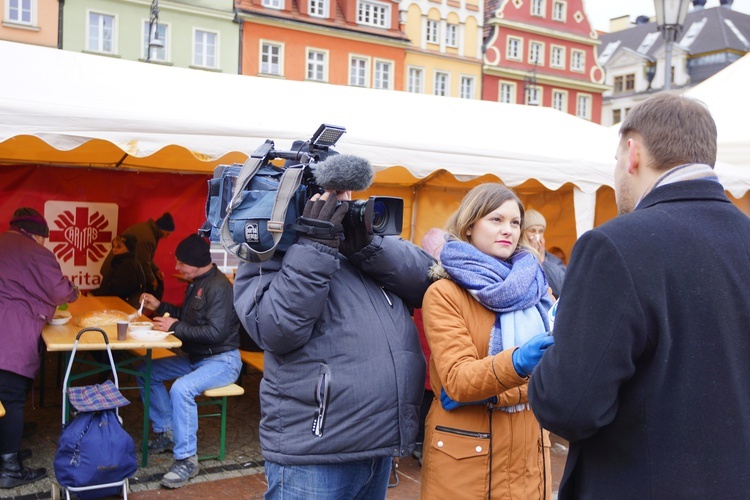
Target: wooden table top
62,337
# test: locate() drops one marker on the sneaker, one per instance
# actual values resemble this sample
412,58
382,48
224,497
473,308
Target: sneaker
181,472
163,442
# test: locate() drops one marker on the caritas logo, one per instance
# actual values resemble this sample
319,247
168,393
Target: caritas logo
80,236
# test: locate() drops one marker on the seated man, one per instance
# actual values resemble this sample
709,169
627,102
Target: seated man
208,328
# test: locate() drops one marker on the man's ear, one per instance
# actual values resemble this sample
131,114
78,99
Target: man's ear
635,155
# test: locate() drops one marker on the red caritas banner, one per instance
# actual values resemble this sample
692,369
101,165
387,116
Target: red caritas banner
85,208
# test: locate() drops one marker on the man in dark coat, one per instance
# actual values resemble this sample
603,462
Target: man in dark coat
649,375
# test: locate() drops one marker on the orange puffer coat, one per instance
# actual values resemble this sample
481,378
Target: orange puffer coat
477,451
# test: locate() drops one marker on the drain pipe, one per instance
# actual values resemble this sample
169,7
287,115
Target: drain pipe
60,3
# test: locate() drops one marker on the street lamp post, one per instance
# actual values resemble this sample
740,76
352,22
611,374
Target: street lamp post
670,16
154,42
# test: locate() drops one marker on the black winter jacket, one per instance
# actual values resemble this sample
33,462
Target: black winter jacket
208,324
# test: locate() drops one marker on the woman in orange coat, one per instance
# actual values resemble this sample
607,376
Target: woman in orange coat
485,319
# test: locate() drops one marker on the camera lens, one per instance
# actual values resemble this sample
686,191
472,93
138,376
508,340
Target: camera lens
379,217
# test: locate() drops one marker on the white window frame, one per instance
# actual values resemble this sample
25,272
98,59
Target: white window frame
512,92
584,110
266,67
537,8
20,7
379,79
441,84
563,95
577,60
559,61
451,35
510,53
318,8
159,54
371,13
539,46
365,68
533,95
204,54
432,31
468,86
316,65
273,4
415,80
113,42
562,7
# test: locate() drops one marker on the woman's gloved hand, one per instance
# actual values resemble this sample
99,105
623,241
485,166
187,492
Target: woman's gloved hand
526,357
449,404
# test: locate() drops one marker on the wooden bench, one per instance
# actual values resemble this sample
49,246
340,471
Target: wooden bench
252,358
215,397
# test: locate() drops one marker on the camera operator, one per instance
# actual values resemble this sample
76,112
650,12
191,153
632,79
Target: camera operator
344,371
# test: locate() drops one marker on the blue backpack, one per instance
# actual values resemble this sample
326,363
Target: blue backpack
94,449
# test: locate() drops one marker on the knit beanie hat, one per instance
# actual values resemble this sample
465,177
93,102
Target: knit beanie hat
533,218
165,222
194,251
130,241
30,221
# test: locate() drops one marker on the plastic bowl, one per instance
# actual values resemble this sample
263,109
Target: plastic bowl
152,335
141,326
60,318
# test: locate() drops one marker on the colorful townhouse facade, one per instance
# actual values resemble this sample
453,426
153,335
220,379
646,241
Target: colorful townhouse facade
543,53
340,42
445,54
535,52
24,21
198,34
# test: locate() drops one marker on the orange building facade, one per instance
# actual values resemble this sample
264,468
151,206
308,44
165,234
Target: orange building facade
345,42
544,53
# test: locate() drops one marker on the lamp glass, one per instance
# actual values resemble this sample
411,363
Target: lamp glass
671,12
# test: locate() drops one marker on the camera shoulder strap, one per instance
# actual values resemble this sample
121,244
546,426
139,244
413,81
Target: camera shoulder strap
290,181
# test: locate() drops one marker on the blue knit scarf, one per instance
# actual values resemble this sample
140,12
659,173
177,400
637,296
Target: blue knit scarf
515,290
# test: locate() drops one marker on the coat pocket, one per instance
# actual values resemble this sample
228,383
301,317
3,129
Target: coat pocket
460,444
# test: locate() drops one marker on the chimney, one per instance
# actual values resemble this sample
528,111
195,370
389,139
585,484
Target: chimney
699,4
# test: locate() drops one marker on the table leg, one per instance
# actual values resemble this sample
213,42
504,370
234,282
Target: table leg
146,410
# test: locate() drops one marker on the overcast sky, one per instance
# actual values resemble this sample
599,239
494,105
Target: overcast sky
599,12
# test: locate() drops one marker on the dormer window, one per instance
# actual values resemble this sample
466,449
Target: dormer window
371,13
273,4
318,8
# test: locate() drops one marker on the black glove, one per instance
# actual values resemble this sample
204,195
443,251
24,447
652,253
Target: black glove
321,220
357,235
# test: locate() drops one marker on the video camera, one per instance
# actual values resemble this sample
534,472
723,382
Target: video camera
251,208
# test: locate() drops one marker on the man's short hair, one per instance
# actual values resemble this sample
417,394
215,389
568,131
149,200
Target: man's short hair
675,129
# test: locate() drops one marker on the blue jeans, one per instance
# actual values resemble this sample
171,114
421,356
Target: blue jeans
177,411
362,480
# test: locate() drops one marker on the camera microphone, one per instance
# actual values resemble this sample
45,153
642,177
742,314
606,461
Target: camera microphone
344,173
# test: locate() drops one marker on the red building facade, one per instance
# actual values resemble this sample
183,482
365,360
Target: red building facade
543,52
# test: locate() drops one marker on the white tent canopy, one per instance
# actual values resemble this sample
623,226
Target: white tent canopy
726,95
65,108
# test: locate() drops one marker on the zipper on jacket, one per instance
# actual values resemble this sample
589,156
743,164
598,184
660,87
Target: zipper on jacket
461,432
322,396
390,302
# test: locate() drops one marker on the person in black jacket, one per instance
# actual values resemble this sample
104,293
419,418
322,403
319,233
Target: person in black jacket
649,376
208,328
125,277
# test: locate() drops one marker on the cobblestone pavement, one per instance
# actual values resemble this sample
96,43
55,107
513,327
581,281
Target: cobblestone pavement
44,425
243,456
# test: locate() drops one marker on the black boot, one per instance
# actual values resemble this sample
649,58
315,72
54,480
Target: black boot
13,473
